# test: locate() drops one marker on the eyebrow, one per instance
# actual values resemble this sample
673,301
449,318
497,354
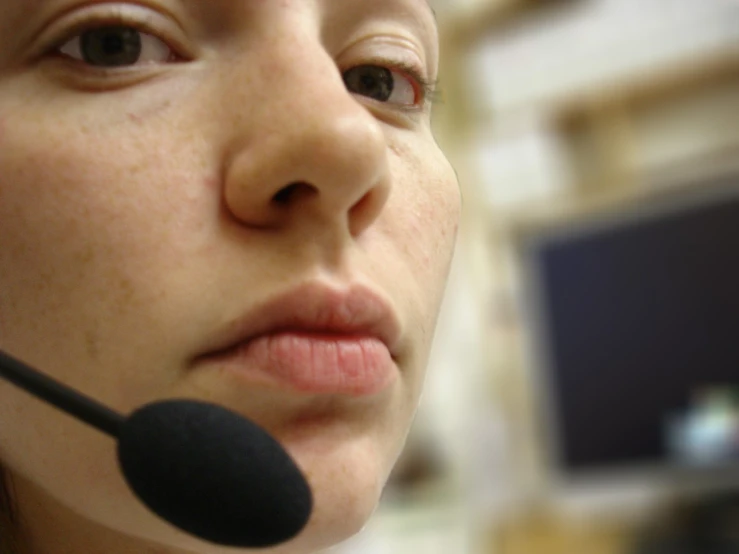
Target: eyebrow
426,2
33,4
433,13
430,7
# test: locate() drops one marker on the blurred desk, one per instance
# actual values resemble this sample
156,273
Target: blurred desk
553,536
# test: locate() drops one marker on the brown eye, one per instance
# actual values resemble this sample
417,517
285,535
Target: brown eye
116,46
370,80
381,84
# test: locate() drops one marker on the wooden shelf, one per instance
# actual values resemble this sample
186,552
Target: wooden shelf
466,28
645,88
549,536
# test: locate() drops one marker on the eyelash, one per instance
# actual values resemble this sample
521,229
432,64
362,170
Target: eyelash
427,91
116,18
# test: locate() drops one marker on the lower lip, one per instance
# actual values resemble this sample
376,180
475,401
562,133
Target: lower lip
315,363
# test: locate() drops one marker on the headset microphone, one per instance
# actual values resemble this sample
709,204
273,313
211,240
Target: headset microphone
203,468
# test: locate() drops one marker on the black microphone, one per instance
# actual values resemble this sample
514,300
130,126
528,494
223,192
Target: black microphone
203,468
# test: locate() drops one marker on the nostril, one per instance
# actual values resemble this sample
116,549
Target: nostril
291,192
367,209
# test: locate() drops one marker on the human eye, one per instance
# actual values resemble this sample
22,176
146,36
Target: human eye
399,85
116,46
110,43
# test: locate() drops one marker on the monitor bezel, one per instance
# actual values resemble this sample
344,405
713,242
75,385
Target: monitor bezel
538,361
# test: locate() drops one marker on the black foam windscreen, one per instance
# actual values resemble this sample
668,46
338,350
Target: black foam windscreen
213,473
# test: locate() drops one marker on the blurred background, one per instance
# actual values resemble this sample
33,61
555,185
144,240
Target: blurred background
583,393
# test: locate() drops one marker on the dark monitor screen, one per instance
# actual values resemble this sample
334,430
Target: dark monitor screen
638,317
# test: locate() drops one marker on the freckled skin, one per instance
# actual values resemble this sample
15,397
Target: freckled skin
140,219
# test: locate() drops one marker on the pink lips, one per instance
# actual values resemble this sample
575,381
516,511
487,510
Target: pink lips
314,339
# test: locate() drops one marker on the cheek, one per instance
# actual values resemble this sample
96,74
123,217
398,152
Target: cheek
97,194
425,210
436,219
91,220
420,223
121,169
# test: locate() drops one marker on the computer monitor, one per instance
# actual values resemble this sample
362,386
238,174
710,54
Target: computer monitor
634,321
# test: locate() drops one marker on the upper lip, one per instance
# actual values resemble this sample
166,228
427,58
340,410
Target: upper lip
354,310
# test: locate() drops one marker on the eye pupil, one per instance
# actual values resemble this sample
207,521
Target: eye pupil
111,46
370,80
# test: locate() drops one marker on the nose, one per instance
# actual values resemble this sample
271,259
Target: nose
304,147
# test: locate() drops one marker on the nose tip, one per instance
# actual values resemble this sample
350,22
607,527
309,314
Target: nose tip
327,161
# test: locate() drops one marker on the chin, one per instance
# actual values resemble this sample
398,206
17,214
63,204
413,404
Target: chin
347,478
341,510
347,481
331,526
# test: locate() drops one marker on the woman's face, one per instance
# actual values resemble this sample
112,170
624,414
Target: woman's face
179,175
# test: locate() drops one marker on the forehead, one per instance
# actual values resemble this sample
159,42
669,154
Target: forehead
15,13
12,7
21,20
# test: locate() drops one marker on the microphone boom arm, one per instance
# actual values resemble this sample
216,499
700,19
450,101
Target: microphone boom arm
61,396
